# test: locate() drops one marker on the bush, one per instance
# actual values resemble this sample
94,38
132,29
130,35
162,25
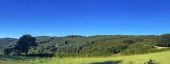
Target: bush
151,62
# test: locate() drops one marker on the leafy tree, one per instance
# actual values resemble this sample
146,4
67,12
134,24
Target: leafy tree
24,43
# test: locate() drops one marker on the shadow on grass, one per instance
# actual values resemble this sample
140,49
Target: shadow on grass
6,58
107,62
41,55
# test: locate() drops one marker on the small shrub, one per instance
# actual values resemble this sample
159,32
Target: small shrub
151,62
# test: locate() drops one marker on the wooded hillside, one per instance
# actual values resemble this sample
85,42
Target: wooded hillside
76,45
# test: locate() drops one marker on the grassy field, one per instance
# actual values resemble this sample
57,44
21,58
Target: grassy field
161,58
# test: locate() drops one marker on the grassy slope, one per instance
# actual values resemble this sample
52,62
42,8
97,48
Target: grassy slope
161,57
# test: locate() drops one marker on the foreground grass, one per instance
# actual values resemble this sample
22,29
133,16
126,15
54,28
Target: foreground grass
14,60
161,57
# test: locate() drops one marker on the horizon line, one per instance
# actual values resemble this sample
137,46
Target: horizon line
81,35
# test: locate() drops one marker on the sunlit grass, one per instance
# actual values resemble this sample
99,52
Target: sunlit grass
161,57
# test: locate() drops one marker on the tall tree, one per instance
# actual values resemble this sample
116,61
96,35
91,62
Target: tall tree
24,43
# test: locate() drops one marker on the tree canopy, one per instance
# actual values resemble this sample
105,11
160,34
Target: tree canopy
24,43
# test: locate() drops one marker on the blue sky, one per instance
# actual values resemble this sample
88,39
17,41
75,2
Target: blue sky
83,17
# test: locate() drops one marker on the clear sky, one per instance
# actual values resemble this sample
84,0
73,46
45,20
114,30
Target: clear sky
83,17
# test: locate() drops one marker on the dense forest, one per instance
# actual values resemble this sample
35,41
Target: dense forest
76,45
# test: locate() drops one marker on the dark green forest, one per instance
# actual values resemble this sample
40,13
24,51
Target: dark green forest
77,45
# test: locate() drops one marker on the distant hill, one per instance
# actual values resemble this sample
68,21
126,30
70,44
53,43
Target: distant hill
85,45
7,42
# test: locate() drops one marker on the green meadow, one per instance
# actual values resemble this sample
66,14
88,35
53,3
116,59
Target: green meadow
159,57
